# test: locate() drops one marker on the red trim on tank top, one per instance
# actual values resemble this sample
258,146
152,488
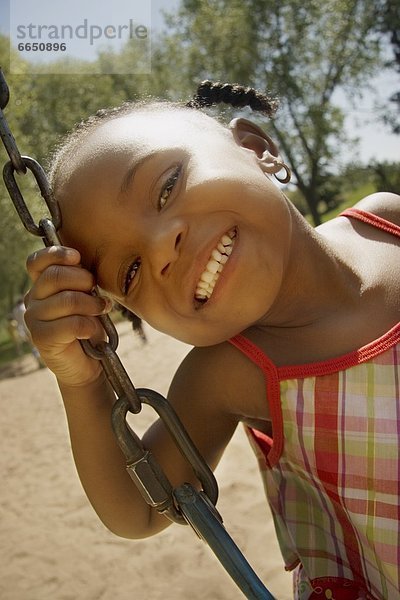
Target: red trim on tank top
351,359
371,219
272,451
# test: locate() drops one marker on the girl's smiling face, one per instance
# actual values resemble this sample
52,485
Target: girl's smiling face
178,222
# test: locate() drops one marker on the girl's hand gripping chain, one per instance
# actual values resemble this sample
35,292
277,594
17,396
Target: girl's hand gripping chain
61,311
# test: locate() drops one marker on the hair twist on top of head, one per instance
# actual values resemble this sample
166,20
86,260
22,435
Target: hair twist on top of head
210,93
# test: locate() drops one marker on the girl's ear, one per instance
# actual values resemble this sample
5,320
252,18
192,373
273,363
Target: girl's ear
251,136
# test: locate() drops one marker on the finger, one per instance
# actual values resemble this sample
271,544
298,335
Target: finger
66,303
61,332
58,278
38,261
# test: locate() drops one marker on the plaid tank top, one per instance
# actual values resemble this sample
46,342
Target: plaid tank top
332,470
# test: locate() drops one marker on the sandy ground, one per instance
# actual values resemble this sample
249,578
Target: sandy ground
53,547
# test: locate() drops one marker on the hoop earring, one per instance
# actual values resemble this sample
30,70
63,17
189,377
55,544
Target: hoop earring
288,173
274,164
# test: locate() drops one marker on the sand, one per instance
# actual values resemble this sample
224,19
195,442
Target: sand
53,547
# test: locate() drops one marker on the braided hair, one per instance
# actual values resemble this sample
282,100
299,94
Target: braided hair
208,94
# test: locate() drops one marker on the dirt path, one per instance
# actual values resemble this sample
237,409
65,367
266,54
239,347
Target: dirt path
53,547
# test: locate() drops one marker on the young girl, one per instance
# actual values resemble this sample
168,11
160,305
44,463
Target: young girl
296,330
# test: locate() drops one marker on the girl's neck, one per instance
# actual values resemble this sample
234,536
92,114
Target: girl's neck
318,279
326,305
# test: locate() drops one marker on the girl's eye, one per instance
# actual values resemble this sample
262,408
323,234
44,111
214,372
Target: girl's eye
168,186
131,274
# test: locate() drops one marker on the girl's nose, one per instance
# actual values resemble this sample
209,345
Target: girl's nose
165,246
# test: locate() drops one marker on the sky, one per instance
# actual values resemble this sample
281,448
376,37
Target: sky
376,143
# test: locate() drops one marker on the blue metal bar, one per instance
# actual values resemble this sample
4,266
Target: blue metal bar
204,519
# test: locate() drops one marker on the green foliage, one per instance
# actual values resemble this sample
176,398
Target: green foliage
15,245
356,175
386,176
374,177
388,24
352,183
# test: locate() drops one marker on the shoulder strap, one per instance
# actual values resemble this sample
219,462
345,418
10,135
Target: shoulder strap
371,219
273,397
254,353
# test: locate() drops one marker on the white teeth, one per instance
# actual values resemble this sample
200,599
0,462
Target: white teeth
206,276
212,266
215,265
216,255
221,247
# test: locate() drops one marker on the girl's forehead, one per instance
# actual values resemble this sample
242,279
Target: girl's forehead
139,134
162,128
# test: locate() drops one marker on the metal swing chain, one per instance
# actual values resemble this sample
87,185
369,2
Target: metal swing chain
183,504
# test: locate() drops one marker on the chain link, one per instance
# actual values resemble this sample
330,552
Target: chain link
6,135
18,200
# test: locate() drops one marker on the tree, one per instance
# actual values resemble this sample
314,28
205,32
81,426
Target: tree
388,24
303,52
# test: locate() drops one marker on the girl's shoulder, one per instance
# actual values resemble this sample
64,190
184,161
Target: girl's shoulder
219,379
382,204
